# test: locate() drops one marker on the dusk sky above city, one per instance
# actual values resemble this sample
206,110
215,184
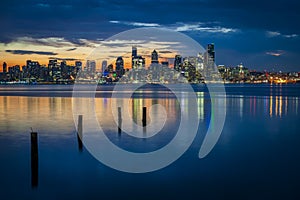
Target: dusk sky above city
261,34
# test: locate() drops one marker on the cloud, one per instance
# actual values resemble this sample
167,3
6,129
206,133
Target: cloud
145,24
43,5
87,43
115,22
164,42
57,42
181,27
66,59
278,34
27,52
140,24
165,52
290,36
277,53
121,43
273,33
71,49
49,41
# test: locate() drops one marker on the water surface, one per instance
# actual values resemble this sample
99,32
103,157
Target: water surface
256,157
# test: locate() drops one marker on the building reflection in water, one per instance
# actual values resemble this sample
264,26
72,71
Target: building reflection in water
19,113
279,105
200,101
273,106
105,115
241,105
56,112
173,107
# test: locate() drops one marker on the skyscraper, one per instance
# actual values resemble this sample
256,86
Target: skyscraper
134,51
133,55
177,62
138,62
52,63
211,51
91,66
154,57
53,68
104,65
63,68
33,68
210,55
120,66
209,59
4,69
78,66
110,68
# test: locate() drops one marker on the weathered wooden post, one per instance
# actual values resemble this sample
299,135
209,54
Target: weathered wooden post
144,119
79,132
34,159
119,120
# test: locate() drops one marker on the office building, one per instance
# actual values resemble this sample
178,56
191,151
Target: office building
178,63
154,57
4,69
120,67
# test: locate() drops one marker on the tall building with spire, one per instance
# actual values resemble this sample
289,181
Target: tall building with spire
154,57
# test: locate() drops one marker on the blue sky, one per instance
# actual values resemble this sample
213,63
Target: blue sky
261,34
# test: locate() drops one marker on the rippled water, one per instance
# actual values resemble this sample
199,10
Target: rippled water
256,157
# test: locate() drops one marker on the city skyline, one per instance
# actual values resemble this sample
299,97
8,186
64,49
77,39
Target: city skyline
18,57
127,63
179,69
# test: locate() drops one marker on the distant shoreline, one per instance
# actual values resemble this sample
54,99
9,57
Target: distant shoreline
149,90
114,83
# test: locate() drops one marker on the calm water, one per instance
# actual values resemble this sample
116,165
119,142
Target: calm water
256,157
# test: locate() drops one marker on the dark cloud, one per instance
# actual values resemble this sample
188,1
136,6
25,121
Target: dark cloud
66,59
91,20
25,52
165,52
87,15
71,49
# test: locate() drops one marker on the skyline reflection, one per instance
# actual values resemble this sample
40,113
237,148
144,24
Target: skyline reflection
19,113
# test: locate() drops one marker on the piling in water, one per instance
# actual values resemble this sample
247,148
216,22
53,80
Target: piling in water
144,119
79,133
119,120
34,159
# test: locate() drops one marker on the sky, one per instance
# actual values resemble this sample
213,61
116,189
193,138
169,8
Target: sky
261,34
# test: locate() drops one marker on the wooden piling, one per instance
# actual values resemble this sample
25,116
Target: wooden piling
144,119
119,120
34,159
79,132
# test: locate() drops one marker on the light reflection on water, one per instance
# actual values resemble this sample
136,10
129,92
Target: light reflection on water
19,113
